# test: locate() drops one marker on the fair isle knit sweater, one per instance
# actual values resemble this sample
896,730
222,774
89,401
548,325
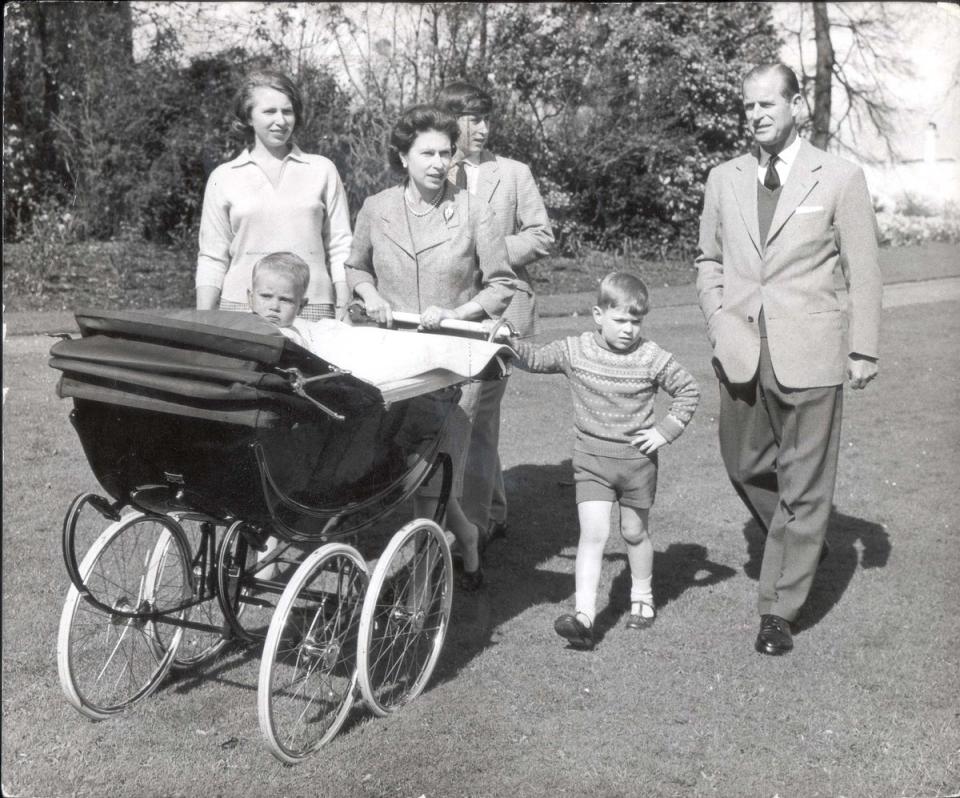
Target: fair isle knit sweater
614,392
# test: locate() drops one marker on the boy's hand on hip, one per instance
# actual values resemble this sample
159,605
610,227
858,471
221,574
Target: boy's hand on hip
648,441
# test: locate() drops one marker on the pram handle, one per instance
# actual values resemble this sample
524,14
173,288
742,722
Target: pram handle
500,330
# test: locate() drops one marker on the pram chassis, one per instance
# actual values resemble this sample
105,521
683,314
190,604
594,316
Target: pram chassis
337,622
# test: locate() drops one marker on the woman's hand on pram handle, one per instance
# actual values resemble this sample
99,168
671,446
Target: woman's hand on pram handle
370,307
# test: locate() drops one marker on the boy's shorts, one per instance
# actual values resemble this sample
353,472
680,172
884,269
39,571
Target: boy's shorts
631,482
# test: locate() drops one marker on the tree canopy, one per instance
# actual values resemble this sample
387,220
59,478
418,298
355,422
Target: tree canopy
620,109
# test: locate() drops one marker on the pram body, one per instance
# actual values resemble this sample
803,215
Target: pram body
213,436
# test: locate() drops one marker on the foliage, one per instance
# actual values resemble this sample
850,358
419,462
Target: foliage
620,109
901,230
626,108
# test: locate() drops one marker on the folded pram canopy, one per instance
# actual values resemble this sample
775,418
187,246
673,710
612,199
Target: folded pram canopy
237,367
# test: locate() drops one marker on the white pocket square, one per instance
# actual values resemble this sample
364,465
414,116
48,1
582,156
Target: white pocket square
809,209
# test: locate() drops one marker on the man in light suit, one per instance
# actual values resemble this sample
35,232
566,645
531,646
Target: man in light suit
776,222
509,188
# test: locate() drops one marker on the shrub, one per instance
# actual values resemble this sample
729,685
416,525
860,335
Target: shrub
900,230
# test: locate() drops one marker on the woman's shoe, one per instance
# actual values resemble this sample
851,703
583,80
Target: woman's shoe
471,581
638,620
571,629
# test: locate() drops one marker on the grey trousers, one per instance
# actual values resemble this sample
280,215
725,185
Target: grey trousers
483,498
780,449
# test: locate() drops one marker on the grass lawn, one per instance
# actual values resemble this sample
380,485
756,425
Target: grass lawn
866,705
121,274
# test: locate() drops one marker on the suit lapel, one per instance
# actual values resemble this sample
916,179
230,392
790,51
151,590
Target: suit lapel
803,177
395,225
745,190
489,176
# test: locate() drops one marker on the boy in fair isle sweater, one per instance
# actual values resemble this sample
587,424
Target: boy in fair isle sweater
614,374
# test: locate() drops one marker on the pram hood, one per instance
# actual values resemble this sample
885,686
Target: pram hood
214,365
222,366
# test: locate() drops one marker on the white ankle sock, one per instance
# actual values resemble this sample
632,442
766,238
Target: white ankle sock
641,593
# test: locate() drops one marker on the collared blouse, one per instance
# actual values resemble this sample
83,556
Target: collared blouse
246,217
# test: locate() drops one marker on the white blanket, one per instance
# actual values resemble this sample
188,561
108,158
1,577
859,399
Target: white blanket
399,363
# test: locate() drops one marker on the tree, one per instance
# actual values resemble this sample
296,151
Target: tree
623,109
857,59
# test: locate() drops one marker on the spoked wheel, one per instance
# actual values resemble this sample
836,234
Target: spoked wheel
196,645
308,673
405,616
247,608
108,656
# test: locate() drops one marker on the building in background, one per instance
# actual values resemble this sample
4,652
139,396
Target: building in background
919,162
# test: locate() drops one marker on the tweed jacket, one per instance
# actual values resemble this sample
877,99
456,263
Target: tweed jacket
824,218
464,258
509,188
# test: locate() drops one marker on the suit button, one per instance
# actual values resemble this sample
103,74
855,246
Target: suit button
750,319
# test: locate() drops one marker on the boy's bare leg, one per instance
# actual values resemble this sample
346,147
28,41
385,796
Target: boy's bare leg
594,530
634,526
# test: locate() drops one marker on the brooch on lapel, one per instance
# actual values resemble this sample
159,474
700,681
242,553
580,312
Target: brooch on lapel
448,213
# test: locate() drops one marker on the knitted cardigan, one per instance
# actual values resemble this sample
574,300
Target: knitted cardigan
614,392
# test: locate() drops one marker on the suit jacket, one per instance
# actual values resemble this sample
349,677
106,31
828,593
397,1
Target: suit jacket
463,257
510,190
824,217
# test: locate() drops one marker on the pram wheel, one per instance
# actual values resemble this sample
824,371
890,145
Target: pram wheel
108,655
405,616
240,598
308,671
196,646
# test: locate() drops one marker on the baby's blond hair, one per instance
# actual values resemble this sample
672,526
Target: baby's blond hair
287,264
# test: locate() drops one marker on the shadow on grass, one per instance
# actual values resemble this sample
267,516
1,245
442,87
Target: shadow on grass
680,567
541,497
833,576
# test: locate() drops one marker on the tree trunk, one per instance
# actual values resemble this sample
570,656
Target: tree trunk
482,56
822,85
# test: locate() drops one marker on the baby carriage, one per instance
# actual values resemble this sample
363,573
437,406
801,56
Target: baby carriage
243,472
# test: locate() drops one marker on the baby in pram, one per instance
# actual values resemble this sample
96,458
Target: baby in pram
278,292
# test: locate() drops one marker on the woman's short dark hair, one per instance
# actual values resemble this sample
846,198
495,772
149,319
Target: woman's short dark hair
414,121
267,79
460,98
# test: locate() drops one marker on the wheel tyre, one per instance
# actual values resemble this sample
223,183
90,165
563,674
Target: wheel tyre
405,616
196,646
108,660
308,672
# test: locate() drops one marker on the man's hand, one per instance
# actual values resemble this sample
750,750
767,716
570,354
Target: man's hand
860,371
648,440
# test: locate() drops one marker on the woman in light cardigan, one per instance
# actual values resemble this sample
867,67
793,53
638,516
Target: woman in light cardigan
426,247
272,197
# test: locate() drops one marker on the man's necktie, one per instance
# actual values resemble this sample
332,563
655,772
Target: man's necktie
461,180
771,179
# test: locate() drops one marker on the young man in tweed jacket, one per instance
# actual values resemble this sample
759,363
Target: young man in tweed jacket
508,187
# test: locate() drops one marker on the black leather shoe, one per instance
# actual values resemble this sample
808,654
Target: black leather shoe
471,581
496,531
775,637
573,631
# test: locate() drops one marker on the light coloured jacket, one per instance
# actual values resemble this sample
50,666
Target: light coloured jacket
824,218
464,258
510,190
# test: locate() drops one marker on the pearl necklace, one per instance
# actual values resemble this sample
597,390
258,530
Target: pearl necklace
433,205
